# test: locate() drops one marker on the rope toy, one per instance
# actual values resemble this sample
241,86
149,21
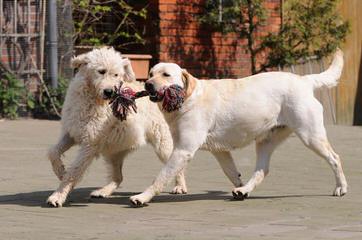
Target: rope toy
123,100
173,98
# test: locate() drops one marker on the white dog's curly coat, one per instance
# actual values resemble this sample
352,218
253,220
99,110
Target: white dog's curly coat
221,115
87,120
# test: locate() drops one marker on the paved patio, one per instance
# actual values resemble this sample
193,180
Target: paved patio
294,202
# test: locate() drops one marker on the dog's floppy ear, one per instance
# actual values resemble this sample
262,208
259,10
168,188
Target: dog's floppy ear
79,60
129,75
189,82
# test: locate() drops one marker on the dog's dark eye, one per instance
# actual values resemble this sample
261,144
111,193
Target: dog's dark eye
166,74
151,75
116,75
102,71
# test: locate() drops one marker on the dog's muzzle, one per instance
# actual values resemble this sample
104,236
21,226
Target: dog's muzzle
155,96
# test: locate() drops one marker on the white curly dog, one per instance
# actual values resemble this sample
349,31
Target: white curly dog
221,115
87,120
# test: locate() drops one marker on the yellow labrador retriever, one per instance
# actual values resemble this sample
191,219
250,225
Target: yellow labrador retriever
221,115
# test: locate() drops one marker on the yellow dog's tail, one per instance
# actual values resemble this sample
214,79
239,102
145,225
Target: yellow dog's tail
330,77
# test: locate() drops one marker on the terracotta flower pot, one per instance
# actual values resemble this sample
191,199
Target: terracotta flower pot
140,62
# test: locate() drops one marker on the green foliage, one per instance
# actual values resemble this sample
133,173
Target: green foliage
310,28
93,23
11,94
233,15
46,106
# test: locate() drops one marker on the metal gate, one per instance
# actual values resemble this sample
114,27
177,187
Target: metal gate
22,32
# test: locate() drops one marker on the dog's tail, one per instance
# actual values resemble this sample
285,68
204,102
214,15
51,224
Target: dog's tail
330,77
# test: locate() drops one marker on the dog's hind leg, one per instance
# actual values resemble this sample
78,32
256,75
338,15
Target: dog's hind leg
309,127
72,176
55,153
322,147
180,183
264,149
227,164
314,136
116,162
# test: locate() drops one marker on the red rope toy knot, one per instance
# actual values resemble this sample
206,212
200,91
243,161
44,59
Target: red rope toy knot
123,100
173,98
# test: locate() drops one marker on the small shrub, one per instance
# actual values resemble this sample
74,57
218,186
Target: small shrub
50,105
310,28
12,93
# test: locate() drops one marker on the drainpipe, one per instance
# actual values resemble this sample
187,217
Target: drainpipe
220,11
52,43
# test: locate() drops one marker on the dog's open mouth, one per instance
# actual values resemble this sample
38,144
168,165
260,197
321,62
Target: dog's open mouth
156,96
172,97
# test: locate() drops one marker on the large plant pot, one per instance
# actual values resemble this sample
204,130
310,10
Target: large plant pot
140,62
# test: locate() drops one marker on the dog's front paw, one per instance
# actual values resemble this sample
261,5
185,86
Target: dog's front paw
55,159
240,194
56,200
340,191
179,190
140,200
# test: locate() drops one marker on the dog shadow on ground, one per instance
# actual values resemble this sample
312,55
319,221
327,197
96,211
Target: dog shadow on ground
80,198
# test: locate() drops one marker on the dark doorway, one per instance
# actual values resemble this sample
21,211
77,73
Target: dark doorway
358,101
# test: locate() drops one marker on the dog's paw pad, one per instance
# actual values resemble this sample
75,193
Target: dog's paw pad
99,194
54,204
340,191
56,200
239,195
178,190
137,204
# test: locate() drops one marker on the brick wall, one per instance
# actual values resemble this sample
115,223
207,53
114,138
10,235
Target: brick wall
203,53
174,35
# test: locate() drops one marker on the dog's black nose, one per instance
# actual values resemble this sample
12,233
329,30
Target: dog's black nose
108,93
149,87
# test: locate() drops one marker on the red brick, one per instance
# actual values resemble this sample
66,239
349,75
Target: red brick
179,24
167,1
185,41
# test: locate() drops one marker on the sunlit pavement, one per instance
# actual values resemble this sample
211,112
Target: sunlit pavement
293,202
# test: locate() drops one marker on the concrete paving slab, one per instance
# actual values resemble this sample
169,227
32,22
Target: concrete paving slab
294,201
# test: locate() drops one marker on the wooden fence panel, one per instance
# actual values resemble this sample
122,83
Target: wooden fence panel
349,101
346,99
